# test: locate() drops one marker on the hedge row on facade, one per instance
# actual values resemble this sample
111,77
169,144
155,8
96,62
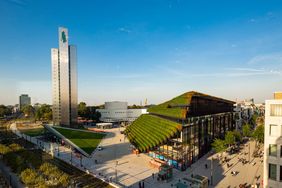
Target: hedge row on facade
149,131
168,108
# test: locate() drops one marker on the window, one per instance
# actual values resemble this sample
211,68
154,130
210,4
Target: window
272,171
280,173
273,150
273,130
276,110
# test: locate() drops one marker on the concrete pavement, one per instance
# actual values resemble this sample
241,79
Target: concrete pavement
116,163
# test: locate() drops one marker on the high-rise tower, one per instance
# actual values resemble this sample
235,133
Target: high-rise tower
64,81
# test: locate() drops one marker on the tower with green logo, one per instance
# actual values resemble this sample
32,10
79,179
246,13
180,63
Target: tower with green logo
64,81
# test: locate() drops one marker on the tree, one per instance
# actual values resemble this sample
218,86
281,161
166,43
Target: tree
254,119
5,111
28,110
44,112
64,180
28,176
246,130
15,147
229,138
219,145
4,149
258,134
82,110
238,136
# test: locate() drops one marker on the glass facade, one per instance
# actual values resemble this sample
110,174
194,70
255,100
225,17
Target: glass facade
24,100
194,140
64,81
55,86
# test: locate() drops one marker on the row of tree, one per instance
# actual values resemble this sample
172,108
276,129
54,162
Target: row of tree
88,112
47,175
5,111
44,112
32,171
231,137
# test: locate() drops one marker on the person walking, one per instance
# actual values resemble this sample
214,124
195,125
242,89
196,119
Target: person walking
153,175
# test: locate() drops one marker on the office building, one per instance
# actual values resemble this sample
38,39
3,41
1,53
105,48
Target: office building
117,111
24,100
273,142
64,81
181,130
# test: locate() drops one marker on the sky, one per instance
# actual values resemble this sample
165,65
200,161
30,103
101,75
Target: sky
130,50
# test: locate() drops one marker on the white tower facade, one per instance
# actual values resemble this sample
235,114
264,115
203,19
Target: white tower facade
64,81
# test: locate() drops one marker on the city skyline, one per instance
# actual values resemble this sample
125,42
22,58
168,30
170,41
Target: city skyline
130,51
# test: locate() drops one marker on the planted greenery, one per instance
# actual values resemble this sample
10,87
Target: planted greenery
169,108
87,141
149,131
47,175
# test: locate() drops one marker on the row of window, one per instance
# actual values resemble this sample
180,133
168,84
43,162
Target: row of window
129,112
272,172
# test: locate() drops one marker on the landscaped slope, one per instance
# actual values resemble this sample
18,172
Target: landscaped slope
149,131
170,108
177,107
87,141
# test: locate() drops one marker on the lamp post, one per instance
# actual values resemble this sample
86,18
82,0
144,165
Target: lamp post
211,170
58,150
71,157
249,152
116,171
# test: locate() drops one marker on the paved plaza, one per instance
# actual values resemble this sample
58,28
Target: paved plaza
116,163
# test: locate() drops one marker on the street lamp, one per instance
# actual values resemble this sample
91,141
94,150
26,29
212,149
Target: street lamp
58,150
211,170
249,152
71,157
116,171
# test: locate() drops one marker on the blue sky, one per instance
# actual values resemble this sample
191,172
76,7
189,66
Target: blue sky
132,50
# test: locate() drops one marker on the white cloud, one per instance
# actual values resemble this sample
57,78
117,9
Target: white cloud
275,58
226,72
123,29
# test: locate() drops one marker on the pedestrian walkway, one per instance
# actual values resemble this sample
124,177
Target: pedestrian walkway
117,164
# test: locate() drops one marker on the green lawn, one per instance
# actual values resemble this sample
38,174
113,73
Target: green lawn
87,141
33,132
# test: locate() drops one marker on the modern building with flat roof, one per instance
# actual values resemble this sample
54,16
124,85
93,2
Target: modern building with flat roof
118,111
24,100
273,142
181,130
64,81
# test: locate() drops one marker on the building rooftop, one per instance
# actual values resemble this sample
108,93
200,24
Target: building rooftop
178,106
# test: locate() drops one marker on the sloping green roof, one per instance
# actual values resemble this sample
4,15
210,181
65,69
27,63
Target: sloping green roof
149,131
174,107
